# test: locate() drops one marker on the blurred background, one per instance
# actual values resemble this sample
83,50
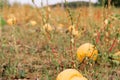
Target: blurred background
50,2
53,2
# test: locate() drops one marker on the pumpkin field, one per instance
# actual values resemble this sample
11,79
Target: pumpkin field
42,43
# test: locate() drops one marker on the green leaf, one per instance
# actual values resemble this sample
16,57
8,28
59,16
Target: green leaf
117,16
116,62
119,38
22,74
2,22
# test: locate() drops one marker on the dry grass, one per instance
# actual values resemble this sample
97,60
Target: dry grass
33,53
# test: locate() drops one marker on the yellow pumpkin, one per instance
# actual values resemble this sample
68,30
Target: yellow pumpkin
73,31
78,78
32,22
48,9
47,27
68,74
71,28
87,50
106,22
11,20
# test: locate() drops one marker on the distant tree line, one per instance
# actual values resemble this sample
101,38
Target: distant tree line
105,3
75,4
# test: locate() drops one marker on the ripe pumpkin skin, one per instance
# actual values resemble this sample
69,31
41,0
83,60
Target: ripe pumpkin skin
73,31
68,74
78,78
87,50
47,27
71,28
32,22
11,21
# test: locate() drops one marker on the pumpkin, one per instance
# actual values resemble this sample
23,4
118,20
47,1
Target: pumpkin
106,22
70,74
78,78
48,9
47,27
71,28
73,31
32,22
11,20
87,50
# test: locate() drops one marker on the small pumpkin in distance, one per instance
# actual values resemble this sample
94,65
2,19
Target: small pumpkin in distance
47,27
69,74
32,22
75,33
87,50
71,29
11,20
